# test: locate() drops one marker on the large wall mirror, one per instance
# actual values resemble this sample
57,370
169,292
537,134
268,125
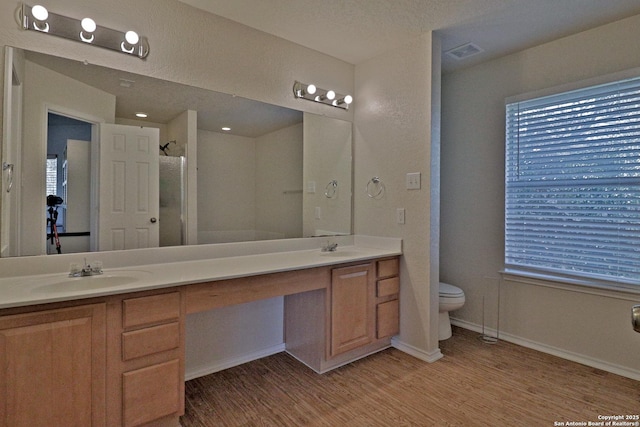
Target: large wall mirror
82,173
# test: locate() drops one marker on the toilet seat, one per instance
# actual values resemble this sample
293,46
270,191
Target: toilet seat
450,291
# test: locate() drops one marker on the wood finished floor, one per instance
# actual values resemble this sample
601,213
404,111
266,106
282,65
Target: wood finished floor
475,384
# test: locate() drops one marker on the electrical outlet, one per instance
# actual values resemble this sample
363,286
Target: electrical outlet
413,181
400,215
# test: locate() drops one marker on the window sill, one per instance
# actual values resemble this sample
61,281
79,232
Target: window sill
586,286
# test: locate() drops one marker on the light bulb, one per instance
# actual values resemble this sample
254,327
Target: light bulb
330,95
311,89
40,13
131,37
88,25
346,100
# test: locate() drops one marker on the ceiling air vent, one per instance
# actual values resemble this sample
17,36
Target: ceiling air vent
464,51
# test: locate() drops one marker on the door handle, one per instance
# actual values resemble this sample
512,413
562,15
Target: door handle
635,318
153,220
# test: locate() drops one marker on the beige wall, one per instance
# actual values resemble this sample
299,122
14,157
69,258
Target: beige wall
278,170
327,157
226,174
243,180
393,125
593,328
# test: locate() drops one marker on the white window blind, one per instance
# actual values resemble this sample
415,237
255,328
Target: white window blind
573,183
52,175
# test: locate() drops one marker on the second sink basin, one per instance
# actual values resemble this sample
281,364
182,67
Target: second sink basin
340,253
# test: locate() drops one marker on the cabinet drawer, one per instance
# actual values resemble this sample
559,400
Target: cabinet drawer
150,310
150,340
388,268
388,287
151,393
388,319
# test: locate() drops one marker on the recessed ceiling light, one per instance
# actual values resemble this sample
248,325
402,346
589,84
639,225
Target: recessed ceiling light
141,115
226,129
126,82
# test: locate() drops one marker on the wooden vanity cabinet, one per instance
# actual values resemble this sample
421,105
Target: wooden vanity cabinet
356,315
119,360
146,378
61,365
52,367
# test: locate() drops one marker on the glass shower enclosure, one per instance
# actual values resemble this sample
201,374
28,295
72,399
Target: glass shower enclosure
172,201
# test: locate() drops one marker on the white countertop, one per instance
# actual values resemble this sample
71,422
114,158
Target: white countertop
54,287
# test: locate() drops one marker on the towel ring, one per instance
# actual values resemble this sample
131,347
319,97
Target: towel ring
378,187
331,190
8,166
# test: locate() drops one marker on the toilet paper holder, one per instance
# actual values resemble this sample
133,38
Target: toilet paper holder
635,317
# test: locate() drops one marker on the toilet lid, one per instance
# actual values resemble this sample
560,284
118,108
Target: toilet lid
447,290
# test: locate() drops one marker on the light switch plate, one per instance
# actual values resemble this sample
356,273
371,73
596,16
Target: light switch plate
400,215
311,187
413,181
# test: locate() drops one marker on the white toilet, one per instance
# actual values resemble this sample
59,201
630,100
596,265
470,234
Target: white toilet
451,298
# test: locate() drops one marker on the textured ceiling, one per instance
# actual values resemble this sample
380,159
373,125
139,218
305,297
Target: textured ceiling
357,30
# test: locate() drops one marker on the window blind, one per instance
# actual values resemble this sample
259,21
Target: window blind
52,175
573,183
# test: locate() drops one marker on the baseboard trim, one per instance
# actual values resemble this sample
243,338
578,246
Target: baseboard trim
221,365
416,352
555,351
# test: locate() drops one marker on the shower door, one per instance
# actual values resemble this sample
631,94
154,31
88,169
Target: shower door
171,200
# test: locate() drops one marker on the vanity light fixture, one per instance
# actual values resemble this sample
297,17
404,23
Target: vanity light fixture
311,92
38,18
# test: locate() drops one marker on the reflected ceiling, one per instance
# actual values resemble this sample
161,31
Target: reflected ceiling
164,100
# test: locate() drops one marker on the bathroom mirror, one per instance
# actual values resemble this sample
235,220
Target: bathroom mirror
278,173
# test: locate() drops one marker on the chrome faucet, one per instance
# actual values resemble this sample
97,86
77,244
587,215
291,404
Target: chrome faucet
331,247
86,270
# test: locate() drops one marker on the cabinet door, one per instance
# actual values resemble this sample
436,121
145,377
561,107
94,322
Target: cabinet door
388,319
52,367
352,312
151,393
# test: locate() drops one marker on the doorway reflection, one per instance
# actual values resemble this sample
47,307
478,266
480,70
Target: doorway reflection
68,178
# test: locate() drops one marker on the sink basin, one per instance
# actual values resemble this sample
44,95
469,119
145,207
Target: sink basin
339,253
87,283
